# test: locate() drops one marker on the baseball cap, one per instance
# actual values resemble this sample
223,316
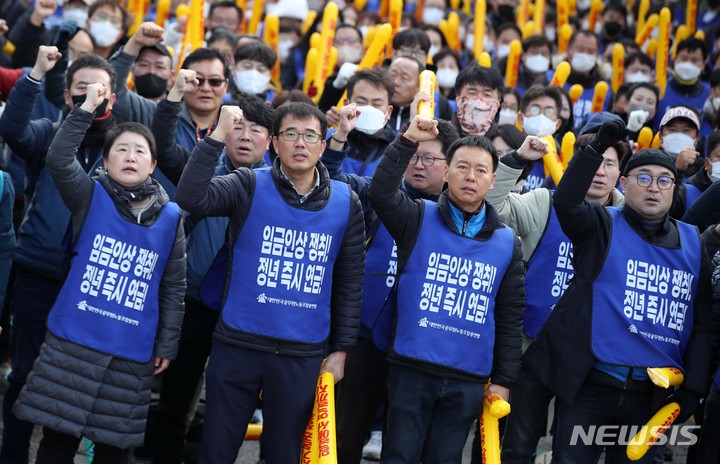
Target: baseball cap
680,112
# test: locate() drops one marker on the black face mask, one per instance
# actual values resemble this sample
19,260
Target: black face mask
613,28
99,111
507,12
150,85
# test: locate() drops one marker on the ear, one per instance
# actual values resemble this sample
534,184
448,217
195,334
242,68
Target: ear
275,143
492,181
152,168
389,113
111,101
521,119
623,182
68,100
324,144
558,123
445,173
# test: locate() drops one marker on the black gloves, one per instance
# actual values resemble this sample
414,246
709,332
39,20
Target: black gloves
688,401
611,132
66,31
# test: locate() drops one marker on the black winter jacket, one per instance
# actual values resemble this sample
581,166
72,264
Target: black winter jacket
561,357
403,216
231,195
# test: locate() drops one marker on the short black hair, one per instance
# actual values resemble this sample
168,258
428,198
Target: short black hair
623,91
536,41
476,74
691,44
507,25
123,127
641,57
225,4
257,51
95,62
299,110
585,33
514,138
290,96
411,38
430,27
713,141
617,8
255,110
378,77
447,51
222,33
536,91
478,141
447,134
206,54
715,78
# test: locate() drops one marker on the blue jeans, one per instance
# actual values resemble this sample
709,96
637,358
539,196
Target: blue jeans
598,405
428,416
527,423
34,297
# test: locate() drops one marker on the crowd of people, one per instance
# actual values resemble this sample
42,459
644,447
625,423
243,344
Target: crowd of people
207,217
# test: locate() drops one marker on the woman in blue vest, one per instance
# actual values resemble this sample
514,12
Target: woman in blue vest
116,322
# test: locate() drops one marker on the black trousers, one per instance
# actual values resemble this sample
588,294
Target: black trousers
358,397
60,448
165,434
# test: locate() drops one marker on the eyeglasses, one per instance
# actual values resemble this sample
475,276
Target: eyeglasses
645,180
427,160
534,110
292,136
417,53
214,82
103,16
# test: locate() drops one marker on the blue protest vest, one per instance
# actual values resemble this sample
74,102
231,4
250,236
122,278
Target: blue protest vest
109,301
549,270
361,168
537,176
380,275
282,265
717,379
643,298
693,193
446,296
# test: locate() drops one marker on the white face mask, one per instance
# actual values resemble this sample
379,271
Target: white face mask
348,54
284,47
433,16
251,81
104,33
716,103
537,63
364,30
582,62
637,76
446,77
583,5
715,166
503,50
550,34
674,143
433,50
371,120
78,15
687,71
507,116
539,125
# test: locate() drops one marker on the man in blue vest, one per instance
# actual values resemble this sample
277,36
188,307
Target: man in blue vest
364,388
294,285
39,259
640,298
245,145
460,291
685,86
548,253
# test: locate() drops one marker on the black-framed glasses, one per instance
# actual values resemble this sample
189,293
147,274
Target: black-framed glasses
292,136
646,180
427,160
214,82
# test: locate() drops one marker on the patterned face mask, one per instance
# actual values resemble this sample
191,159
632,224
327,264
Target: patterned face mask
476,114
